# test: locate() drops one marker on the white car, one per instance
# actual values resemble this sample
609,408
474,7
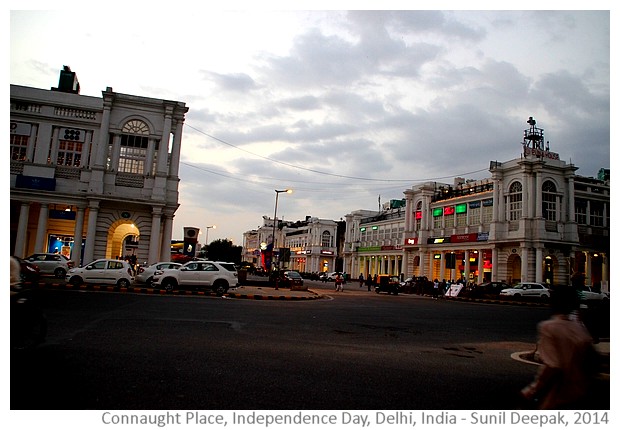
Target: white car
526,289
586,294
214,275
51,264
145,274
103,271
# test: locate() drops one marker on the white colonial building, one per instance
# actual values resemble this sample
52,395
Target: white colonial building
93,177
305,246
533,219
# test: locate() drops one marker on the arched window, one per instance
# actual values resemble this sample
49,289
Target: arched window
134,146
326,239
515,201
549,201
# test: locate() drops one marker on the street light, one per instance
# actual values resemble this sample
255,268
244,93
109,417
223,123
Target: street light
273,234
207,236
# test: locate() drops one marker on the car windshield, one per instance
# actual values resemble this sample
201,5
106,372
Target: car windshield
293,275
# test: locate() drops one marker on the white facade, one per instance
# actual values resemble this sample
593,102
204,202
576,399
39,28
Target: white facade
312,244
93,177
534,220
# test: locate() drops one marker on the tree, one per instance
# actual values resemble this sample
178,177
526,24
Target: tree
222,250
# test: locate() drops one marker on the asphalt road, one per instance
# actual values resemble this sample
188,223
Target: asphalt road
355,350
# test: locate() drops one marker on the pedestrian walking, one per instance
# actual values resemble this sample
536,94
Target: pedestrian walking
369,282
339,283
361,279
435,289
569,360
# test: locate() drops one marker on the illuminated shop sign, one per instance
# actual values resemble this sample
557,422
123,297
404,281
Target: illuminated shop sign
461,209
436,240
474,205
448,210
487,202
363,229
438,212
437,256
418,215
411,241
540,153
327,252
469,237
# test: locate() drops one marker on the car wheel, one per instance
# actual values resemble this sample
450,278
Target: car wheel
60,273
76,281
123,283
517,296
149,282
169,284
220,288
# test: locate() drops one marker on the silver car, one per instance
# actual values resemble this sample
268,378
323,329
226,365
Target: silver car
145,274
104,271
526,289
51,264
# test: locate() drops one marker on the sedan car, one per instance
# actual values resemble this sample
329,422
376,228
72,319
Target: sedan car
29,272
218,276
103,271
526,289
291,279
145,274
493,288
587,294
51,264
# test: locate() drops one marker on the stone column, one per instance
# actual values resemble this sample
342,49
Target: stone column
166,237
162,155
524,264
176,149
91,231
467,265
539,264
39,244
154,241
22,229
494,259
76,252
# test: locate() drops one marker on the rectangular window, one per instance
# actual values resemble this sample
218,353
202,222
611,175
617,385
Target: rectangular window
19,145
461,219
474,215
133,154
69,153
596,214
581,212
487,214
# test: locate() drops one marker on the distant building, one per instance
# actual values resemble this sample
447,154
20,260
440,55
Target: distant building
534,219
93,177
309,246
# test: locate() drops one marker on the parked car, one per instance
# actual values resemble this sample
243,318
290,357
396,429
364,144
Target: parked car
51,264
103,271
291,279
416,284
491,288
388,283
587,293
526,289
145,274
218,276
329,276
29,272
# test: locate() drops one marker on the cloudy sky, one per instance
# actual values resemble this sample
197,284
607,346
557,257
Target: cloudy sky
347,108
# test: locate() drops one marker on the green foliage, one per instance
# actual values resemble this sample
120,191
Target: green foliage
222,250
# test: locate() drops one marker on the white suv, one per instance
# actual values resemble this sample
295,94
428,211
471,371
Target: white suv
104,271
214,275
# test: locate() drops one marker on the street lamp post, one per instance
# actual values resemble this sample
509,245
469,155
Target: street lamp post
273,234
207,236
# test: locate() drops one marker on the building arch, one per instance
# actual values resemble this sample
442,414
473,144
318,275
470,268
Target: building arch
118,234
513,268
